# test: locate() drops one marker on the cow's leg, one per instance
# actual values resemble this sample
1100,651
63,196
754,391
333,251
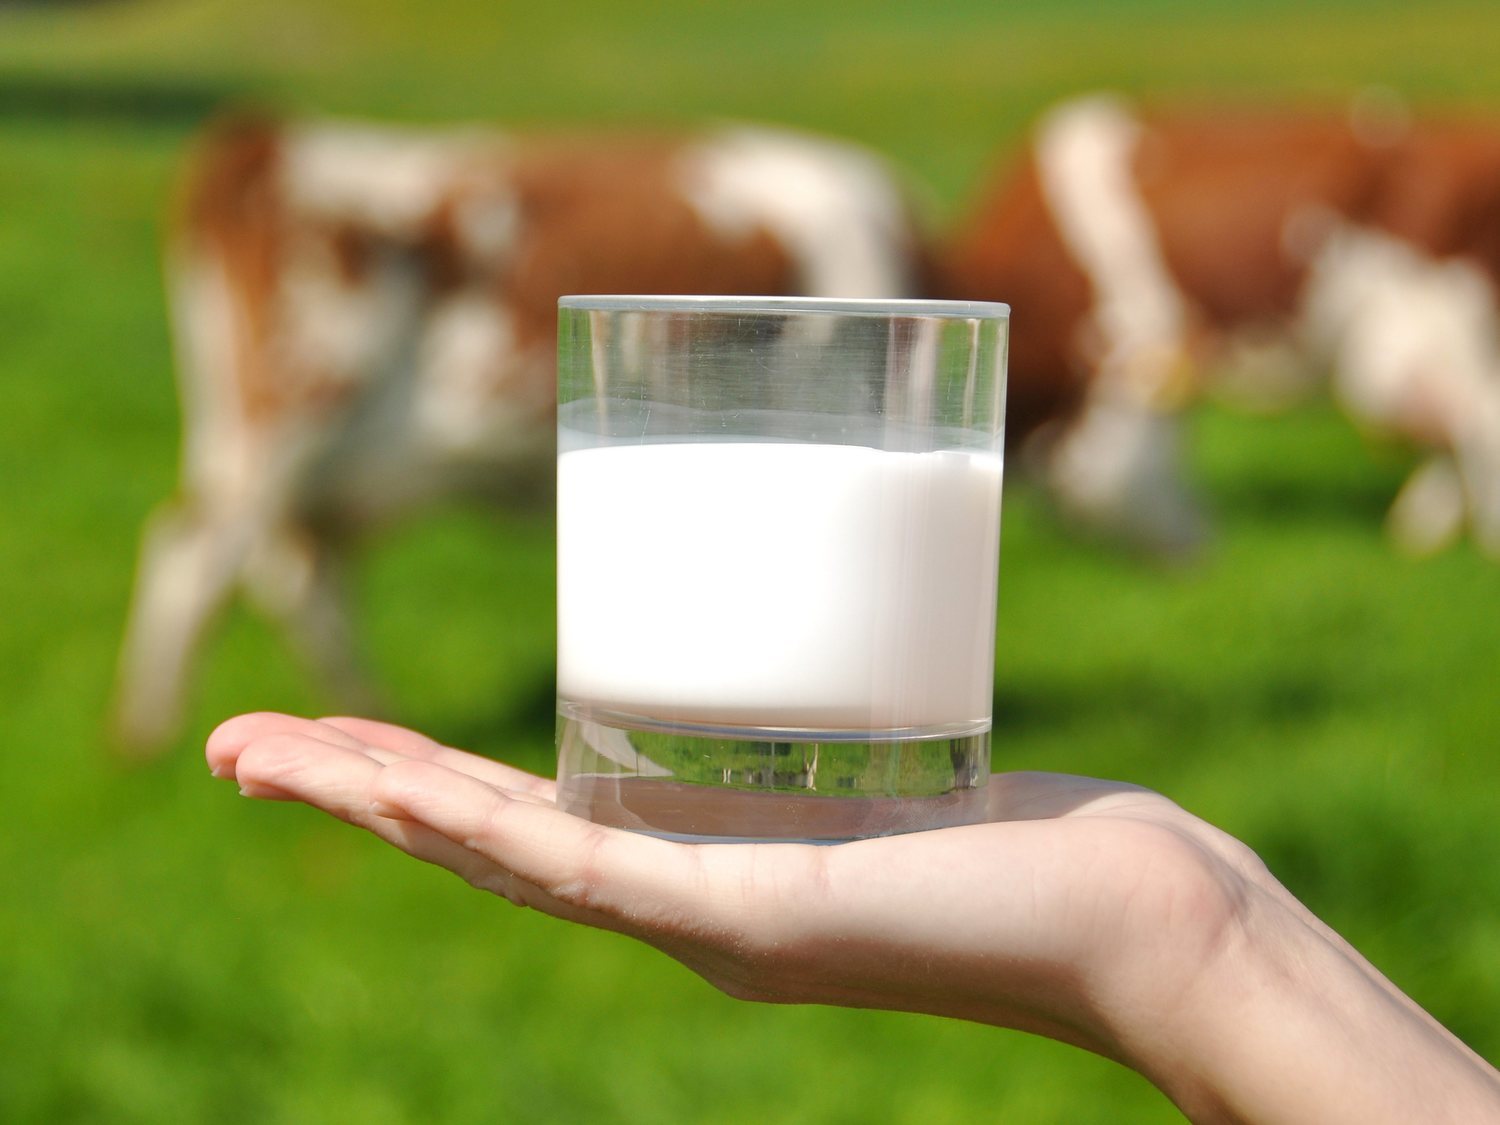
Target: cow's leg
1477,451
1427,515
1117,468
1414,345
1462,485
192,550
189,564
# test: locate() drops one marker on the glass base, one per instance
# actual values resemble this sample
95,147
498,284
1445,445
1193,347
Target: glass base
705,785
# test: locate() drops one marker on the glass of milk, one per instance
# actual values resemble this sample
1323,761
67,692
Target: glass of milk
778,543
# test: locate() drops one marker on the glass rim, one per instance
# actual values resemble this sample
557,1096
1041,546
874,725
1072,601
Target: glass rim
818,306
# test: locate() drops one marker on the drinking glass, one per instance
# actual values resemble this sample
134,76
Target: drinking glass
777,554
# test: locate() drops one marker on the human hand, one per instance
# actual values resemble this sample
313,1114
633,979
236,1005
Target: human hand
1097,913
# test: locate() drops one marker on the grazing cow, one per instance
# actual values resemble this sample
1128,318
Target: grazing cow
365,319
1137,251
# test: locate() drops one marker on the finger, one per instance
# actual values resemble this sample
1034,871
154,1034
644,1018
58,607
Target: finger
337,780
414,745
230,738
403,739
322,771
285,758
619,880
381,742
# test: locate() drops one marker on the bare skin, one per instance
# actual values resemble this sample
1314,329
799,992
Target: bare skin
1093,912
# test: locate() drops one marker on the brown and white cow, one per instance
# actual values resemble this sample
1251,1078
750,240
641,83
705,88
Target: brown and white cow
365,320
1139,250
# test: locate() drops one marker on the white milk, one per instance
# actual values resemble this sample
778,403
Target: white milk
820,587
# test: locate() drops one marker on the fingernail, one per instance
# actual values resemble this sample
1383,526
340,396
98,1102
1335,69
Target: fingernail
219,772
259,791
390,812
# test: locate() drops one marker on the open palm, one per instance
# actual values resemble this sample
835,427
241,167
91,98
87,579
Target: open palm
1047,914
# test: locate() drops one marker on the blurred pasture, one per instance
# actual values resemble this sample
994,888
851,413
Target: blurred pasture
173,953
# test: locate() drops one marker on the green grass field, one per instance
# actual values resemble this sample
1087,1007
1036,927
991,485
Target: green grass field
173,953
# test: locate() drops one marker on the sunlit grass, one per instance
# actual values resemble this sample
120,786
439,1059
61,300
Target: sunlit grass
174,953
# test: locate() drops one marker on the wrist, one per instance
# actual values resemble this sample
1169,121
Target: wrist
1287,1023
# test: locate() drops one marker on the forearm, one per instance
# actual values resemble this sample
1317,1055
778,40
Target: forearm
1291,1025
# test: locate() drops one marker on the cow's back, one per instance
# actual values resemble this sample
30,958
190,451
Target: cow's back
1237,201
393,292
1009,250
